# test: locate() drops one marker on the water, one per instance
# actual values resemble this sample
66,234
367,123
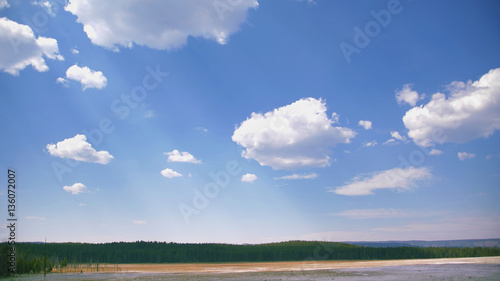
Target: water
451,272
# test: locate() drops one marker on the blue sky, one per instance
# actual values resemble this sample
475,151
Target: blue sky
251,121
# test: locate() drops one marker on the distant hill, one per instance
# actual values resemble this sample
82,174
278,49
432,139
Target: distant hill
469,243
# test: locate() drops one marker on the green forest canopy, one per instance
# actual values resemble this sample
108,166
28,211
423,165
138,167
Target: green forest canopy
163,252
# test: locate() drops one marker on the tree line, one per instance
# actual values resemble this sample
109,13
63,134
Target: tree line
30,256
25,262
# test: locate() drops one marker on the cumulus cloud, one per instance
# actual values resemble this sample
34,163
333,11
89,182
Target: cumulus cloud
294,136
250,178
465,155
86,76
75,189
435,152
20,48
177,156
4,4
406,95
397,178
169,173
298,177
77,148
470,111
365,124
158,24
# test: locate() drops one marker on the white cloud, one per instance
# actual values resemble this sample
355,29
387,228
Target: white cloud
169,173
395,137
397,178
82,205
4,4
370,143
406,95
435,152
249,178
139,222
298,177
75,51
294,136
365,124
158,24
77,148
75,189
465,155
398,136
177,156
335,118
19,48
35,218
391,141
62,81
88,77
46,6
470,111
382,213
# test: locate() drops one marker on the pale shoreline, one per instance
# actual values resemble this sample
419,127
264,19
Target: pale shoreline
243,267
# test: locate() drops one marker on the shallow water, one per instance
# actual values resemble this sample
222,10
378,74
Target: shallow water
448,272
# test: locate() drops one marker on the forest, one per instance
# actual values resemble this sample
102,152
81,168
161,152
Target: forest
32,257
